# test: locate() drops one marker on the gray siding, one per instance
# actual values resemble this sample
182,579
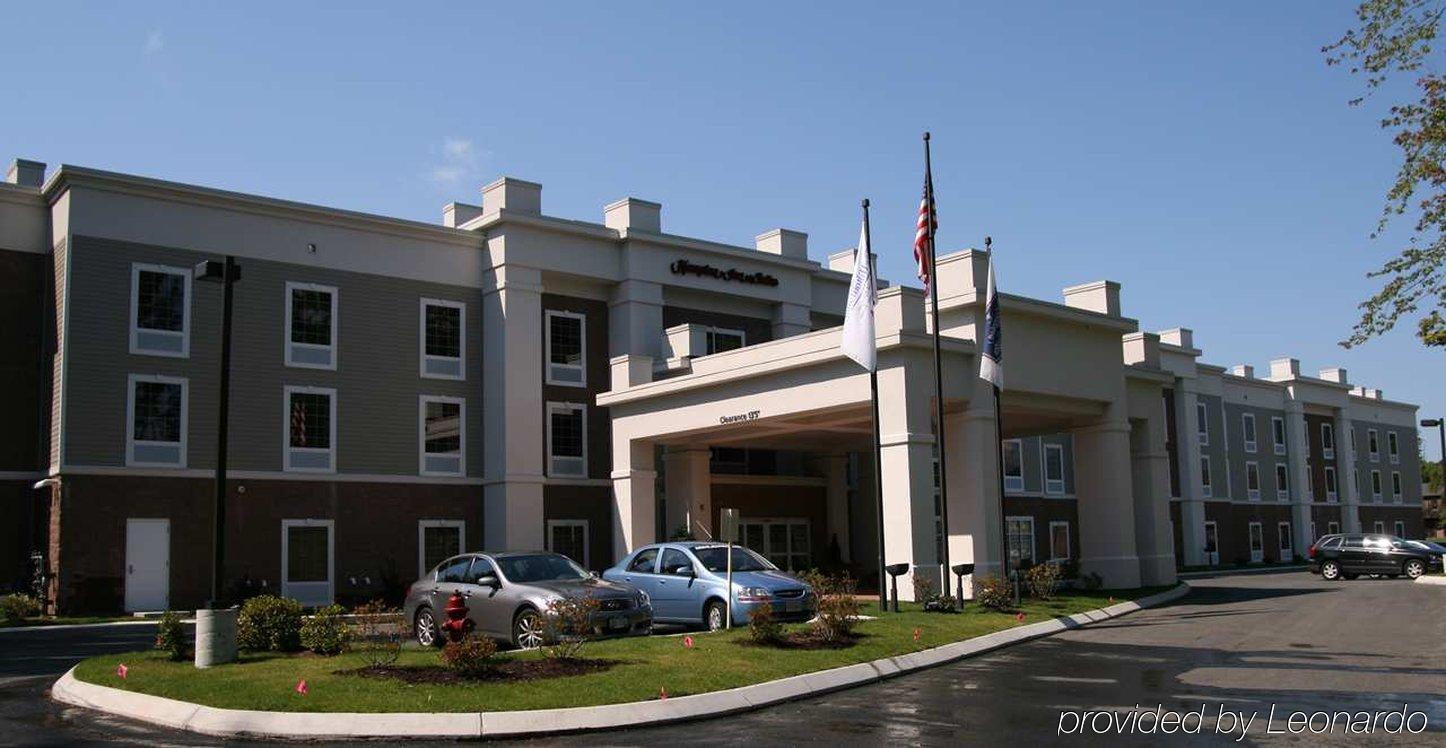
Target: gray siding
1033,464
1409,466
1221,465
377,377
1264,454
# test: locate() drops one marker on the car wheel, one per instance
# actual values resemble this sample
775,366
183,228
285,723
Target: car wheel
425,627
527,630
1414,568
715,615
1330,571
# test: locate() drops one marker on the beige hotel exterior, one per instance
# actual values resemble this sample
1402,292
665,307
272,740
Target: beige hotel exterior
508,379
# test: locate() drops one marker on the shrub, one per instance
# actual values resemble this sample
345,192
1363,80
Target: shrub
18,606
838,609
923,589
566,626
993,592
379,632
470,657
762,626
326,632
171,636
1043,581
268,622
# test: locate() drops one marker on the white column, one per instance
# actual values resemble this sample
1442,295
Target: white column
512,408
1150,483
1106,501
1298,466
1347,482
688,492
635,319
907,461
973,475
634,503
1192,489
836,472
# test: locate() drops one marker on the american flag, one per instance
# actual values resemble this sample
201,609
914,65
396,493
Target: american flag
922,250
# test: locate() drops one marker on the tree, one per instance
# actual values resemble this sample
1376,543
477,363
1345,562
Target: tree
1397,36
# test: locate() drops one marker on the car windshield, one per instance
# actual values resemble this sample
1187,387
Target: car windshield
715,558
541,567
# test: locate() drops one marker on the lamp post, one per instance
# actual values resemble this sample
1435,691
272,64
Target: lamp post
1440,425
216,626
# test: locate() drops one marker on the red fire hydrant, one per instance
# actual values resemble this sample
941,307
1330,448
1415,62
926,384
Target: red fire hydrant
457,625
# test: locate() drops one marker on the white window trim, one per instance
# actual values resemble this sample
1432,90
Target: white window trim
330,525
1378,528
131,382
184,334
1279,536
1253,530
1212,558
1278,445
287,449
586,541
1328,452
1332,477
1202,423
1373,443
1248,431
1021,518
1393,447
422,453
567,407
291,287
1069,548
1019,486
423,525
1052,486
1203,469
1282,487
1399,528
1396,487
1375,486
423,357
1333,528
715,331
1252,493
547,347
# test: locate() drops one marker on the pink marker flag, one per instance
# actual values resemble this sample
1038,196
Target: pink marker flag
121,670
1019,617
688,642
662,693
301,687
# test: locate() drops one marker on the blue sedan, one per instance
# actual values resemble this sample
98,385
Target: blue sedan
687,582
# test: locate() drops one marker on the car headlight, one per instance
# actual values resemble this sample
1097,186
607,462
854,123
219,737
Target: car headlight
754,595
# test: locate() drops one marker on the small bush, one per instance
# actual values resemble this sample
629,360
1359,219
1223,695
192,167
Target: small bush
762,626
992,592
567,624
838,609
923,589
379,632
470,657
326,632
268,622
17,607
171,636
1043,581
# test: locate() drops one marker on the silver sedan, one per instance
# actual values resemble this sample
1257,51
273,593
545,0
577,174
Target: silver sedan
506,595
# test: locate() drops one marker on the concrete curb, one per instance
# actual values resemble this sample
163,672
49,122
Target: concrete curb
104,624
239,723
1439,581
1236,572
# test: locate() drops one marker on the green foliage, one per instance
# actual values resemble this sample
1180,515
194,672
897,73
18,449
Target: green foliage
567,624
326,632
16,607
268,622
470,657
838,609
993,592
763,628
1043,580
379,633
171,636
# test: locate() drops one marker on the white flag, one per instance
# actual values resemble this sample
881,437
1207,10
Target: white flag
858,328
991,354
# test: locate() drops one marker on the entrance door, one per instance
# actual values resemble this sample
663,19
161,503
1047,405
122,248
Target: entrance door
306,561
784,542
1212,544
148,564
1257,543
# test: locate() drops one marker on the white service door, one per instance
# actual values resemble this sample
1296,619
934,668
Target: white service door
148,564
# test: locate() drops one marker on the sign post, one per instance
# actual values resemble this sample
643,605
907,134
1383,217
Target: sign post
728,528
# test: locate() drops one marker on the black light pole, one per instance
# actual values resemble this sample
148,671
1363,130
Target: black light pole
1440,425
226,273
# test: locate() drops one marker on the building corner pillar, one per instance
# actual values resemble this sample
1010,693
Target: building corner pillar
688,493
1192,488
1298,465
1106,502
512,408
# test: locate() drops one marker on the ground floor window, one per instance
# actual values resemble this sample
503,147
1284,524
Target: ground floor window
307,558
568,537
784,542
1059,549
1286,542
1257,543
1019,532
1400,529
1379,527
1212,543
438,540
1333,528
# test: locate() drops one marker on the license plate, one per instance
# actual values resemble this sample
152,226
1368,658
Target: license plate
618,622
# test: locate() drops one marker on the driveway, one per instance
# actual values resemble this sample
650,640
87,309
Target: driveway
1242,643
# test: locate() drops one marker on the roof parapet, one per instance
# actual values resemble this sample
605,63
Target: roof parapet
512,194
1284,368
1334,374
1102,296
1142,348
1182,337
632,213
26,173
1243,370
456,214
784,243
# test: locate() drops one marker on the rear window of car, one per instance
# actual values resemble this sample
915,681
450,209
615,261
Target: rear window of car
1330,543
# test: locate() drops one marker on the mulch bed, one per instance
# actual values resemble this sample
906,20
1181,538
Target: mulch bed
502,672
806,640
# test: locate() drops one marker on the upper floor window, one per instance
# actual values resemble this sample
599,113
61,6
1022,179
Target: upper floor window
1202,424
444,338
310,429
1375,485
160,311
1393,446
1206,489
156,421
443,435
566,348
310,326
1396,487
1247,427
1054,468
1330,483
1013,465
1373,445
1328,441
567,440
1277,434
1252,481
1282,481
719,339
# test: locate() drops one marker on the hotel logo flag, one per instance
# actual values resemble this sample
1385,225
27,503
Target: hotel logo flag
858,327
991,358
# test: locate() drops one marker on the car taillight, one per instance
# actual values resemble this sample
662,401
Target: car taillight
1311,553
407,593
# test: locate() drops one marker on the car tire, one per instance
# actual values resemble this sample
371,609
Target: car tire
1330,571
1413,568
527,629
424,627
715,615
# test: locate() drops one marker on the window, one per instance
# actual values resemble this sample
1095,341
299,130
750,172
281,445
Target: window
1395,487
1286,544
306,560
160,311
1277,433
437,541
444,334
1376,486
1059,541
310,326
1328,441
1314,536
156,421
1247,427
443,435
718,339
1373,444
676,563
568,537
1252,481
784,542
566,348
1020,534
1282,482
455,572
1206,490
1393,445
1379,527
1330,483
1333,528
1013,465
1202,424
566,440
644,561
310,429
1257,543
1399,529
1054,468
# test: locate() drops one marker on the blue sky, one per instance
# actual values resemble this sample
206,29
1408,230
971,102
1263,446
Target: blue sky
1200,154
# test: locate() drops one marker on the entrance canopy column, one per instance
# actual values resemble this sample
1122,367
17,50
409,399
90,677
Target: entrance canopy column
688,488
1106,501
835,471
1347,482
972,467
907,459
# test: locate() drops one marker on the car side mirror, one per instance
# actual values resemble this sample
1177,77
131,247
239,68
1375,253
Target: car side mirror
489,580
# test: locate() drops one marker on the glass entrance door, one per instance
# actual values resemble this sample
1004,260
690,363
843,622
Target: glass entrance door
784,542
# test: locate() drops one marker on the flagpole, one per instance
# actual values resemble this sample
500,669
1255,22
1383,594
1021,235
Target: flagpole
874,404
938,366
999,453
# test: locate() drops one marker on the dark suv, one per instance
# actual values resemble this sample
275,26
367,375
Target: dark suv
1354,554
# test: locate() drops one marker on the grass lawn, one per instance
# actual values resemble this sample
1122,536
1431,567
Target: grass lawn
645,664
